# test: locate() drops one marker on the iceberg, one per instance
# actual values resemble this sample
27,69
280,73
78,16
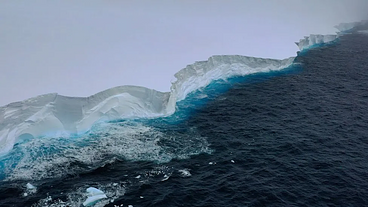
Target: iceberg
57,115
344,28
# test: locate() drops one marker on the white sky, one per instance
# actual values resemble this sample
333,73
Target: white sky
78,48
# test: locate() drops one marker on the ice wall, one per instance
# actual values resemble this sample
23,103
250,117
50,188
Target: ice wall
57,115
313,40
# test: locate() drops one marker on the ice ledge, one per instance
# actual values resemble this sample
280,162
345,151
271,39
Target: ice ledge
61,116
314,40
57,115
352,27
344,28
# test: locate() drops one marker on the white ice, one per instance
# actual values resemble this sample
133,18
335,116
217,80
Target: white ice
344,28
56,115
312,40
30,186
94,195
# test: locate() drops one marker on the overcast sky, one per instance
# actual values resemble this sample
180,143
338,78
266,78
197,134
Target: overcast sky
78,48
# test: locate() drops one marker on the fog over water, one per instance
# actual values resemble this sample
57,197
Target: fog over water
81,48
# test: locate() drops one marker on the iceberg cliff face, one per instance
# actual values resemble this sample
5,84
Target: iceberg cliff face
60,115
57,115
312,40
202,73
344,28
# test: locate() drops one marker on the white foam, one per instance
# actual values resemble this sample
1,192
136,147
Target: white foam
185,173
56,157
77,197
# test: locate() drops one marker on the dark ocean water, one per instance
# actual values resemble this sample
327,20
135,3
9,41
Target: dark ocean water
298,137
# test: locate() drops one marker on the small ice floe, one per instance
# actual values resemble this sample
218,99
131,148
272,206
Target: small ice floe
232,161
30,186
141,197
185,173
30,189
138,176
166,177
212,163
94,195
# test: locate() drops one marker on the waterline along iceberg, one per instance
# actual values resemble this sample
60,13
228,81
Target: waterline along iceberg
312,40
57,115
352,27
344,28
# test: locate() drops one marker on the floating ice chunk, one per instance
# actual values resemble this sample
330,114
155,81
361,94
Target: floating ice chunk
166,177
93,199
30,186
185,173
94,191
30,189
94,195
232,161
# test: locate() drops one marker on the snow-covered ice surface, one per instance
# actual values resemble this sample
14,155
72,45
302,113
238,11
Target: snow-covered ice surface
57,115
